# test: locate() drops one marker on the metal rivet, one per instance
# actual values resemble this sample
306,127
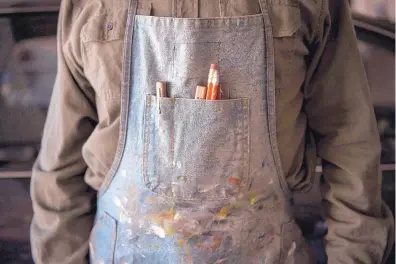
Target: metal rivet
110,26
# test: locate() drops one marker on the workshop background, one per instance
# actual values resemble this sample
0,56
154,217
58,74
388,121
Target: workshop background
27,73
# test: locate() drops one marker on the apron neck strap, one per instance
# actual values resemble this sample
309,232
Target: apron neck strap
132,8
263,6
130,25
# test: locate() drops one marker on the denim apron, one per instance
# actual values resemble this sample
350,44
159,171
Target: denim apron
197,181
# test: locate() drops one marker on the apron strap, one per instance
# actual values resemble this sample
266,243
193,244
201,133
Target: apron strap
271,93
222,7
191,5
125,83
127,55
263,6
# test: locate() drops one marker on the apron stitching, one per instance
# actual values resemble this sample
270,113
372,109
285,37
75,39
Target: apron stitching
243,150
247,134
237,27
173,144
271,108
126,78
223,7
173,61
146,142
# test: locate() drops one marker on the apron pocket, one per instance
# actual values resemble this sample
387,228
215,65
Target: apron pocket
196,149
102,240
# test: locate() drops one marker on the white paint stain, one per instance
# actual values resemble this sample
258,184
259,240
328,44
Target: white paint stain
177,216
220,261
158,231
292,249
178,165
141,223
125,218
205,189
117,202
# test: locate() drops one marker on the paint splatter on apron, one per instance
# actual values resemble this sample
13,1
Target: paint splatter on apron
200,181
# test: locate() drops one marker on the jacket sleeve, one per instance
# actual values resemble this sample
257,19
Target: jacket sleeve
62,201
341,117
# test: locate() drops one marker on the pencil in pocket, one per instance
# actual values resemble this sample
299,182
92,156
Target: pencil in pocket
210,81
216,88
161,92
200,92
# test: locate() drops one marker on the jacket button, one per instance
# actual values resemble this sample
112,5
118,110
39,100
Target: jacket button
110,26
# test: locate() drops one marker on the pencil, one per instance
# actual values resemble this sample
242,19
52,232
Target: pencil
216,88
161,89
200,93
161,92
210,81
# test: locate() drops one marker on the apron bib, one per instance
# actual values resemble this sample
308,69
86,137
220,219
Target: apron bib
197,181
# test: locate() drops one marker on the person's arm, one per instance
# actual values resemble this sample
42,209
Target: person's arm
341,117
62,201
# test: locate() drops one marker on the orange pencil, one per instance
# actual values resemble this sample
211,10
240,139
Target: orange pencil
210,81
216,87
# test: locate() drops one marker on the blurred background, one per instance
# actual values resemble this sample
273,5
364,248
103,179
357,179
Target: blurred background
27,74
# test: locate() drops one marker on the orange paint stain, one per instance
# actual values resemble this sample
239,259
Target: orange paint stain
234,181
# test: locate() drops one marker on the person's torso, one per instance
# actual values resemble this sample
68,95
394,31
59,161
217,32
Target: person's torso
194,181
102,29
